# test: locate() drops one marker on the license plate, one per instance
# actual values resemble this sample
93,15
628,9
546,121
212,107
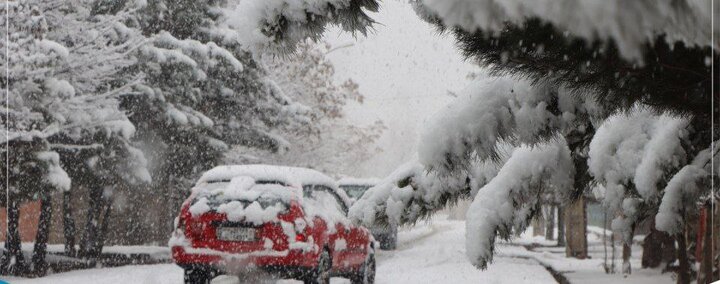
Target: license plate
236,234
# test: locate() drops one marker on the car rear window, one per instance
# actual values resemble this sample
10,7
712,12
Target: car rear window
214,202
355,191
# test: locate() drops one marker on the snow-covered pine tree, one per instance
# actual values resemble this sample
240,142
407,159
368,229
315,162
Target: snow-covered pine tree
58,94
201,92
328,142
27,151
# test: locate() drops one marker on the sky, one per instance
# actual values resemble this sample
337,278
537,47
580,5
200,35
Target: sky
407,72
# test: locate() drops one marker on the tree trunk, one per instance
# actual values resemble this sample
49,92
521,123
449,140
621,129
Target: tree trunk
576,226
683,276
550,223
715,239
97,250
658,248
560,226
626,254
604,238
538,225
68,224
612,258
13,261
705,274
39,265
90,235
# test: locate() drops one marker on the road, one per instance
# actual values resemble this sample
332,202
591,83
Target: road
432,252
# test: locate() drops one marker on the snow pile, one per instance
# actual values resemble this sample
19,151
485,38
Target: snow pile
253,213
487,113
242,199
508,201
263,23
629,23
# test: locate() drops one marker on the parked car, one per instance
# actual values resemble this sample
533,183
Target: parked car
288,222
355,188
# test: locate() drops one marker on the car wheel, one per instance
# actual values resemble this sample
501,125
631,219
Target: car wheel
197,276
321,274
366,274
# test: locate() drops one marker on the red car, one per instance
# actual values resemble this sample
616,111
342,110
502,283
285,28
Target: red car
288,222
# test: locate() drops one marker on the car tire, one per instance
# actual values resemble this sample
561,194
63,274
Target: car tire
321,274
366,274
198,276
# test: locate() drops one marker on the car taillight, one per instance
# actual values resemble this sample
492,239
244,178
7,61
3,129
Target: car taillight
196,228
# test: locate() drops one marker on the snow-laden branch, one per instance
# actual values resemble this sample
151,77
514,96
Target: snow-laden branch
636,150
508,201
490,111
407,195
636,157
683,192
629,23
284,23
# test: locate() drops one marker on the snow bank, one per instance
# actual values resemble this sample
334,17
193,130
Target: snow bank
507,201
629,23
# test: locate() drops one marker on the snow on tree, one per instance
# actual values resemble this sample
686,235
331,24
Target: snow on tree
649,167
285,23
508,202
629,24
328,142
491,111
460,150
59,96
617,53
682,192
630,156
200,95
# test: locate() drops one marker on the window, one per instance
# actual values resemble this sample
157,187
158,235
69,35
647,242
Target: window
324,194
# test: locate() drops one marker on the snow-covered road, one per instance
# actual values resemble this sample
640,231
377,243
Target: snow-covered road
432,252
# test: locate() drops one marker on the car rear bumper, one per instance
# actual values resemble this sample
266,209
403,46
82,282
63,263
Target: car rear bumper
224,261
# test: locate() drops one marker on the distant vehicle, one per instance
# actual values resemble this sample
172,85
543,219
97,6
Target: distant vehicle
288,222
355,188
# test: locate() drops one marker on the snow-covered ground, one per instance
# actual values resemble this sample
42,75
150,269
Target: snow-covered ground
588,270
430,252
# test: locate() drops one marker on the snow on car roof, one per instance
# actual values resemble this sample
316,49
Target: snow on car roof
292,176
289,175
358,181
